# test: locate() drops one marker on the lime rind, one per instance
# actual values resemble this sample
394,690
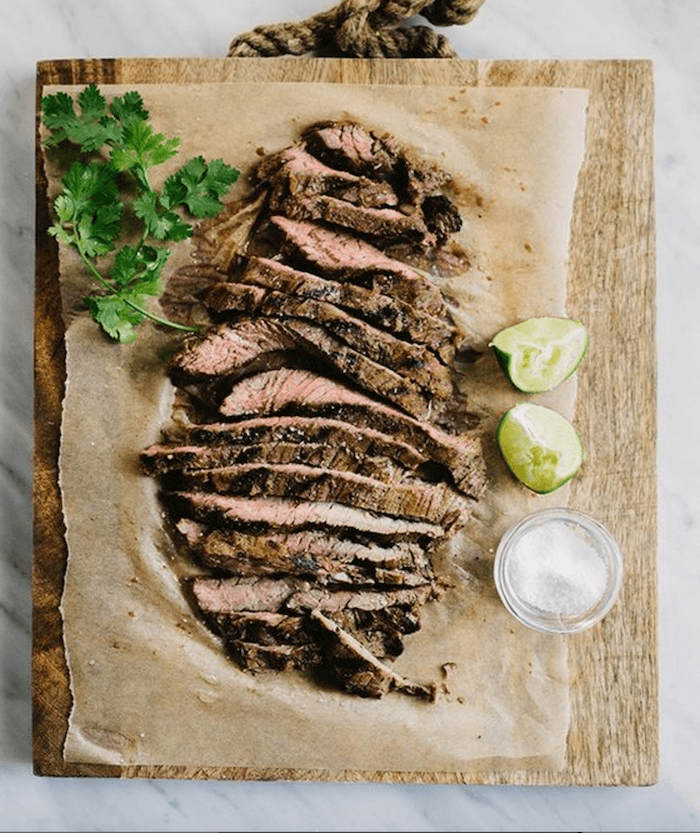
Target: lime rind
540,353
540,446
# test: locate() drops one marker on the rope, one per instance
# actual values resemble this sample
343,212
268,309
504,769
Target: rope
361,29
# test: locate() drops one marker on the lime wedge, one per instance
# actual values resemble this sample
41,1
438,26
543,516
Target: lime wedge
540,446
538,354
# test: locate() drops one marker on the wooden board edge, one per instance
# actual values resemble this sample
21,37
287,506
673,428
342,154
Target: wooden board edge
620,165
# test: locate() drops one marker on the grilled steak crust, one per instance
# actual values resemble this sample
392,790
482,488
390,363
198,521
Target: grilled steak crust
224,441
279,657
441,217
386,225
162,459
261,641
358,670
349,146
258,627
400,389
262,611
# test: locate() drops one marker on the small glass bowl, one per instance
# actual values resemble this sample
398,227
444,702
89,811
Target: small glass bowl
558,570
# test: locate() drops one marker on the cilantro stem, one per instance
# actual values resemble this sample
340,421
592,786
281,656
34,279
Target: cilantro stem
165,321
90,266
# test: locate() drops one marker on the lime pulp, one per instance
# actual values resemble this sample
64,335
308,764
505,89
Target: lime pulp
540,353
540,446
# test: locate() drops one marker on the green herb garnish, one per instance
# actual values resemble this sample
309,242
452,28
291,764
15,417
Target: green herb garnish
109,212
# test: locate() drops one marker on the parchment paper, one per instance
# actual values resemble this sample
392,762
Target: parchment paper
151,684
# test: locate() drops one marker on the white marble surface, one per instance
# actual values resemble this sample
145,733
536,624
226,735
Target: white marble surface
664,30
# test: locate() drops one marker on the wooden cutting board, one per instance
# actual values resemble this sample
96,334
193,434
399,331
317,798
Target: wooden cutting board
613,737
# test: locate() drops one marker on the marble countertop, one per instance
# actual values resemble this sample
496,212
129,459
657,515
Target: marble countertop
664,31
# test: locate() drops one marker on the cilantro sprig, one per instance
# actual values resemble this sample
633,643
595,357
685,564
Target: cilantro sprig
109,212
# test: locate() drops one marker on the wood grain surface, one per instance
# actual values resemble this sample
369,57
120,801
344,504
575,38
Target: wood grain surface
613,737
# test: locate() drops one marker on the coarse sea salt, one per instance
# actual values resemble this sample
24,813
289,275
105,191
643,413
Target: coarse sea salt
557,568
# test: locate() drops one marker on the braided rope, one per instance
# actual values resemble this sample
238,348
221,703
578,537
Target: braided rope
361,29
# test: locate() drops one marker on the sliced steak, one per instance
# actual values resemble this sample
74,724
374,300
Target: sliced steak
284,643
263,641
382,347
293,173
351,147
259,627
220,240
377,618
226,350
182,298
231,349
316,554
164,458
251,656
419,180
282,513
268,430
315,498
244,593
228,296
441,217
398,388
338,254
260,641
386,225
287,390
381,310
333,602
235,594
358,670
435,502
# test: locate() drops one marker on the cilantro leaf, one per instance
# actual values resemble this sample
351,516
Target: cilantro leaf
163,225
143,147
96,231
115,316
90,129
199,186
129,108
93,104
90,185
220,177
55,109
143,265
88,211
